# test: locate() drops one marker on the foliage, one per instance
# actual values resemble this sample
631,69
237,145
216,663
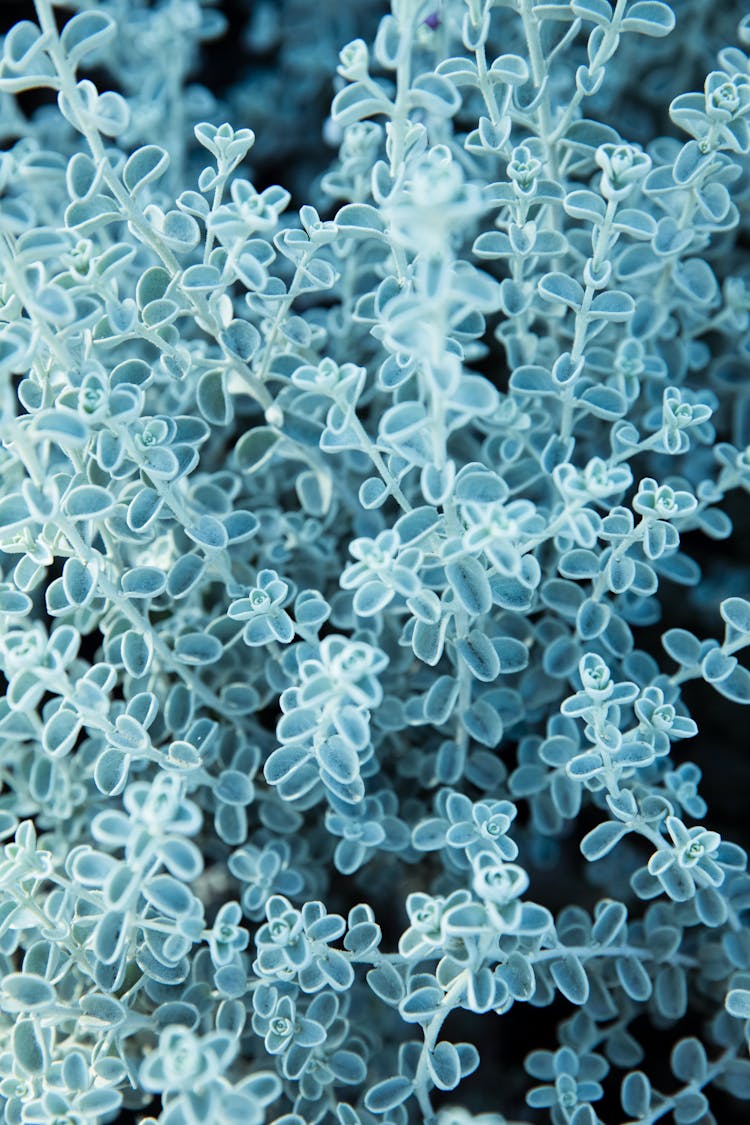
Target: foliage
329,534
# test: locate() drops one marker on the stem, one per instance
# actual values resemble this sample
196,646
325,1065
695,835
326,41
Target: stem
136,220
451,1000
374,454
399,119
602,54
539,75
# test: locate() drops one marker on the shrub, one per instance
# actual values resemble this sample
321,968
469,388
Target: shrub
329,535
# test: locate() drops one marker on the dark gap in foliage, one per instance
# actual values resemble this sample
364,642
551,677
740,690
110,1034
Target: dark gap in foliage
502,1041
91,646
13,11
246,50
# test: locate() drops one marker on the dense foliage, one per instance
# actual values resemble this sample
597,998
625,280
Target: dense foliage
333,536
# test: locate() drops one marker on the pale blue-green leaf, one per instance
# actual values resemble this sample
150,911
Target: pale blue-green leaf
146,165
649,17
84,33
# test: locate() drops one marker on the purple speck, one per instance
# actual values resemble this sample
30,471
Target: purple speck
433,21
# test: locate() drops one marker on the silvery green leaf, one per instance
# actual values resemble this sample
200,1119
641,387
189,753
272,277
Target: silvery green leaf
23,991
28,1047
601,840
649,17
388,1094
79,581
570,977
146,165
198,648
736,614
86,32
143,582
444,1066
137,652
88,501
561,288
